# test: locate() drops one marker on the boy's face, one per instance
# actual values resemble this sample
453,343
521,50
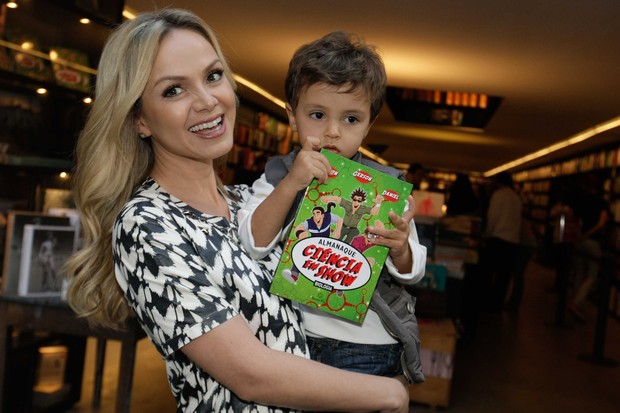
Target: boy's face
338,117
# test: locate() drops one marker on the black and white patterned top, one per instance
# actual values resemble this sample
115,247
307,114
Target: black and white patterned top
184,273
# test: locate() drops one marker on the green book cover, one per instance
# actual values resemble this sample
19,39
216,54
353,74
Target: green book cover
329,261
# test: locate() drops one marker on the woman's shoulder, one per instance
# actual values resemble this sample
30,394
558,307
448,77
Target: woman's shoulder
150,200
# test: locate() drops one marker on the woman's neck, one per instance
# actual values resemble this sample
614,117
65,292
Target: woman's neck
197,188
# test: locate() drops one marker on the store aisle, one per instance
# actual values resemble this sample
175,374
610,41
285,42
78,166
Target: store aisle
525,363
515,364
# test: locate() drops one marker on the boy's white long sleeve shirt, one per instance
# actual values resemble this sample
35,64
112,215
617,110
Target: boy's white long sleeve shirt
319,323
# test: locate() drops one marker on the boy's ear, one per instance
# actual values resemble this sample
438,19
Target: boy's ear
291,117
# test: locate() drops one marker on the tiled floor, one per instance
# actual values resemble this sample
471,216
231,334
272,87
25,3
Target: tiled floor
515,364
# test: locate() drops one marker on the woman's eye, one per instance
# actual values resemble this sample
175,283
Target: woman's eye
317,115
172,91
215,75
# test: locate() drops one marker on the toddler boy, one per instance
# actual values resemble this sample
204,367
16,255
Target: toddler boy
335,87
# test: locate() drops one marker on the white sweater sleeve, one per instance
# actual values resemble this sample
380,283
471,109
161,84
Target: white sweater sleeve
418,255
260,189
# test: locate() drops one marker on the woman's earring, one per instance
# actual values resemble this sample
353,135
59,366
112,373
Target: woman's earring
142,136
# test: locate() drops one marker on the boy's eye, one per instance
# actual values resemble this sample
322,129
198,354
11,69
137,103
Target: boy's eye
351,119
172,91
317,115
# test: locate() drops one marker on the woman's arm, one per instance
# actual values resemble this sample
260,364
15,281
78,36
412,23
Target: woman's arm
234,357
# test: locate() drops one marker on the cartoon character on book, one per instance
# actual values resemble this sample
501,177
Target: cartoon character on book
319,225
354,211
364,241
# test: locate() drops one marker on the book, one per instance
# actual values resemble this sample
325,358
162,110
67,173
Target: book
329,261
16,221
45,249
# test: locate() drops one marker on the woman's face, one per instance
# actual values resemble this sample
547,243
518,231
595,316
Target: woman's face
188,105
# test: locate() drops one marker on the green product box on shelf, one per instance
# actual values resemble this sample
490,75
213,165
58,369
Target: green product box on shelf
26,62
71,75
328,261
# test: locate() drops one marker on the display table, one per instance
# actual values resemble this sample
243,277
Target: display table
438,345
55,316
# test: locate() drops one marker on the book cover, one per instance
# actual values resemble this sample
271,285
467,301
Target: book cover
45,249
329,261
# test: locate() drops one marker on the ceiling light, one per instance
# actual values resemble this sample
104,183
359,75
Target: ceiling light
128,14
372,156
580,137
259,90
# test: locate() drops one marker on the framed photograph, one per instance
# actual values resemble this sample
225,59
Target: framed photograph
74,219
57,199
16,220
45,250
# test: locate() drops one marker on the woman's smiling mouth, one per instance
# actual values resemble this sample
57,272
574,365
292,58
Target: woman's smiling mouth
207,125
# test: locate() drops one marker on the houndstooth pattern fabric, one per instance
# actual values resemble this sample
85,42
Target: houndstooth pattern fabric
184,273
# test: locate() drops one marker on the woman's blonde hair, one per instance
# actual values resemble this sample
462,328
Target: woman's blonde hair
112,160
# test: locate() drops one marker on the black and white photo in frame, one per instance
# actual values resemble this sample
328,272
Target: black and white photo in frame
45,250
16,220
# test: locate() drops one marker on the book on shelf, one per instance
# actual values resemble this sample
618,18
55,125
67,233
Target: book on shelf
45,250
69,65
23,61
329,260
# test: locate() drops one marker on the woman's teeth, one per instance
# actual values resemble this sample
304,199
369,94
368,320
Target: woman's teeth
206,125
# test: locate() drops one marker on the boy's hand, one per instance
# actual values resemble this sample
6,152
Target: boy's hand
309,164
397,239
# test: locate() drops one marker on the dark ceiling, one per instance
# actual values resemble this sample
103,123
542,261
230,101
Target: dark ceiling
554,63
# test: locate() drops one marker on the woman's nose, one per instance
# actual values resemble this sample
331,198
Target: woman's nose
205,99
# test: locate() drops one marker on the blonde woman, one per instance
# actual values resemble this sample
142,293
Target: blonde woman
161,233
